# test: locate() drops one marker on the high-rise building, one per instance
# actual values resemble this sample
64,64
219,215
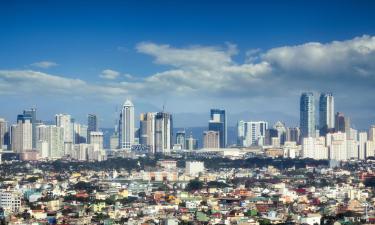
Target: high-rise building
218,122
211,139
50,141
255,133
240,133
326,113
342,124
21,134
80,133
92,124
270,134
96,138
65,121
337,146
314,148
163,132
3,132
191,143
281,131
32,114
372,133
147,131
126,125
180,138
362,139
307,115
293,134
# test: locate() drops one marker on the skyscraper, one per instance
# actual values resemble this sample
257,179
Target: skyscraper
65,121
342,124
180,138
326,113
51,137
92,125
3,132
211,139
32,114
163,132
126,125
218,122
147,130
21,134
307,115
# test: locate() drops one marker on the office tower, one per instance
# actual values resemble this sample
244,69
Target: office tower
293,134
270,133
307,115
342,124
96,138
126,125
362,139
147,131
180,138
326,113
65,121
218,122
21,134
32,114
337,146
191,143
3,132
256,132
281,131
353,134
92,124
372,133
50,141
163,132
240,133
80,133
211,139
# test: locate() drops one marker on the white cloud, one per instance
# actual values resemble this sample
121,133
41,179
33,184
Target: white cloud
44,64
109,74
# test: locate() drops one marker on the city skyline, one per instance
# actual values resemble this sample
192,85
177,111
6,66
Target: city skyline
235,63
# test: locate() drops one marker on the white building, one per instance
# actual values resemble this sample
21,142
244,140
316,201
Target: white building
314,148
65,121
96,137
352,148
290,149
88,152
362,137
80,133
10,201
193,168
54,137
211,139
21,135
126,125
252,133
337,145
163,132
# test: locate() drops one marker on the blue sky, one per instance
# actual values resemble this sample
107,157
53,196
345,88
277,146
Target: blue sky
252,58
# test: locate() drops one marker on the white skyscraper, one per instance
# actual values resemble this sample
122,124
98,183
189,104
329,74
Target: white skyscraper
337,145
96,138
65,121
21,134
254,133
372,133
163,132
54,137
126,125
314,148
362,137
326,112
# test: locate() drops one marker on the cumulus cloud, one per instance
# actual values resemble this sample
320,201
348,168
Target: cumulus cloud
44,64
212,74
109,74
